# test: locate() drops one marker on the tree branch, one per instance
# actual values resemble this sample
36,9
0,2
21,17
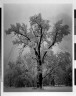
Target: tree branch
36,53
39,45
24,35
44,56
53,43
51,70
33,32
16,32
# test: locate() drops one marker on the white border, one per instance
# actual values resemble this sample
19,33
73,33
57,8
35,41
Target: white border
38,1
40,93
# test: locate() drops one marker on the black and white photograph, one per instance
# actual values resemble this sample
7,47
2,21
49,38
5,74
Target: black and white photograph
37,48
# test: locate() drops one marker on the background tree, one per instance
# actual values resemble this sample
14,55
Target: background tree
18,75
57,68
36,36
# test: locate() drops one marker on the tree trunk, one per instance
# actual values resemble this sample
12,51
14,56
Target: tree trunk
10,82
39,80
39,76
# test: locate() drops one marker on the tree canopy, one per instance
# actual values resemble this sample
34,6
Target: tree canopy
34,37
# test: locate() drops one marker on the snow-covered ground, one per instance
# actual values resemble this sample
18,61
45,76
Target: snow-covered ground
44,89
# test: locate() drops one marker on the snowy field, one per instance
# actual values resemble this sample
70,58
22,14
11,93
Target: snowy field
44,89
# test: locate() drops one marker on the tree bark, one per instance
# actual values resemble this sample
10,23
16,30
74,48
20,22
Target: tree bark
39,76
40,80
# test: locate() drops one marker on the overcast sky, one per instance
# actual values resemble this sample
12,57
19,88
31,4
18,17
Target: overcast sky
14,13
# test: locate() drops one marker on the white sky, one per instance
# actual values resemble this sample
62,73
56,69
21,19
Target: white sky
14,13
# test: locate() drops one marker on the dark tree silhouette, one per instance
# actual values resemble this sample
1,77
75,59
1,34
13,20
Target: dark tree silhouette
36,36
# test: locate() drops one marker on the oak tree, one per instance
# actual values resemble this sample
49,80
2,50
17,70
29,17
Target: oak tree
35,38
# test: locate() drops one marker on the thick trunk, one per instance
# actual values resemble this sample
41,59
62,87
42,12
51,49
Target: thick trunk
39,80
10,82
39,76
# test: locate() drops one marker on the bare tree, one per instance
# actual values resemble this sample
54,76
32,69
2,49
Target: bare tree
36,36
